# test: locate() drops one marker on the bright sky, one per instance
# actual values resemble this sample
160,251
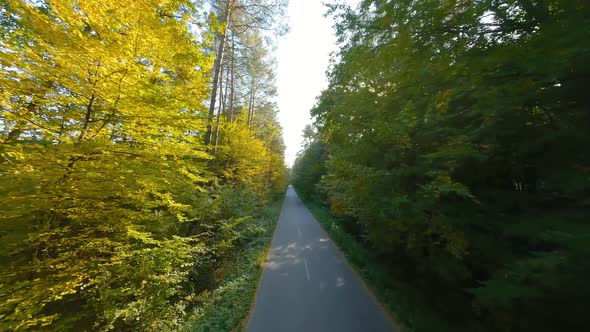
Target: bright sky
302,59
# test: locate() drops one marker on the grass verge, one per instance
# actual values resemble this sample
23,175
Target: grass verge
407,306
226,307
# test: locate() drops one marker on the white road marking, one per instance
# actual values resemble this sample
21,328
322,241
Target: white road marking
299,232
306,269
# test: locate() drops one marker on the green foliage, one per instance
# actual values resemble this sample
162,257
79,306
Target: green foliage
309,168
409,308
454,135
226,307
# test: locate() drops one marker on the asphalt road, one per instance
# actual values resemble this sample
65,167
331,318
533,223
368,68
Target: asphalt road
307,284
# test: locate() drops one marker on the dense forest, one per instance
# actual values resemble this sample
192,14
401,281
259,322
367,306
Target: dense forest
452,144
139,146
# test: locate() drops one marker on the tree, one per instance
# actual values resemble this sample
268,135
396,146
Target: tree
240,17
94,92
447,126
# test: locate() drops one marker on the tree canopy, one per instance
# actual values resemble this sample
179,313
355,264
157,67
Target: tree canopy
456,133
114,212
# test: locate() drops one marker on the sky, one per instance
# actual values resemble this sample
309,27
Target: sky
302,59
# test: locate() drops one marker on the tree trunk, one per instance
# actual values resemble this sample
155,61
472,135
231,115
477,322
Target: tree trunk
226,92
221,106
216,71
250,105
231,94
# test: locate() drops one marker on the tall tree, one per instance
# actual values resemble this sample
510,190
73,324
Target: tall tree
241,17
225,10
97,91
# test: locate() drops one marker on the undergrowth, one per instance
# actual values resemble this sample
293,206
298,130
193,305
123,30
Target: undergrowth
226,307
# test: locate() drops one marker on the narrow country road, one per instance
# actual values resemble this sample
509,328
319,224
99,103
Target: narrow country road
307,284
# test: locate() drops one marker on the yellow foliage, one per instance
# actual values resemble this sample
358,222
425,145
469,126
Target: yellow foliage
103,170
100,104
243,158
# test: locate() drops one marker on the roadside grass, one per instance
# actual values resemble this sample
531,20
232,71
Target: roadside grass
408,308
226,308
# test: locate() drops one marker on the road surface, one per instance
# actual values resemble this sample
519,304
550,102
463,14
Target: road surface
307,285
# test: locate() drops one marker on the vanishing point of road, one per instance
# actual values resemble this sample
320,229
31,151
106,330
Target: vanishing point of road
307,285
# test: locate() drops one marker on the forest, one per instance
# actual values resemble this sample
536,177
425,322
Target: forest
451,144
140,153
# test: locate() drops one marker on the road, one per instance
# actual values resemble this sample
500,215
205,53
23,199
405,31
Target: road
307,285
